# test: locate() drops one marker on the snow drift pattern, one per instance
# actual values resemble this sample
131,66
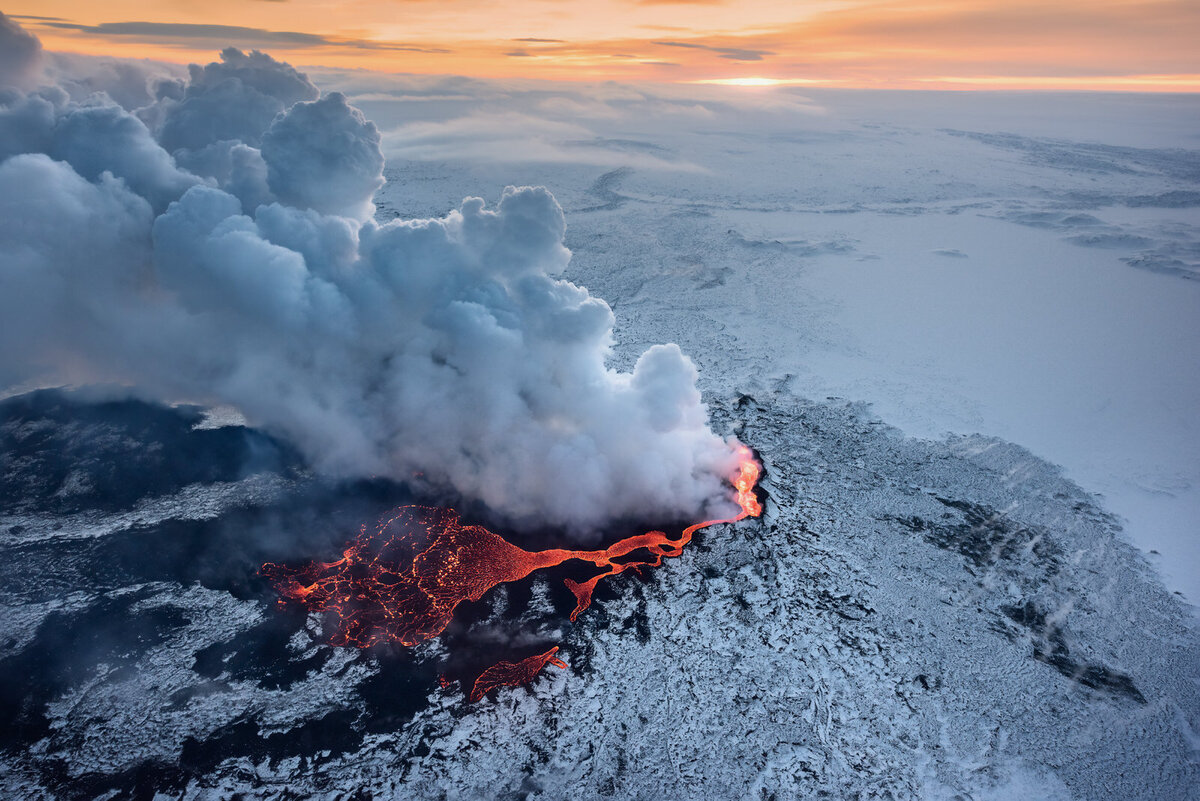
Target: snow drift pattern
217,245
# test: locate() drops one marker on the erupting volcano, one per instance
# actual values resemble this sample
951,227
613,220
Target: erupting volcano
403,581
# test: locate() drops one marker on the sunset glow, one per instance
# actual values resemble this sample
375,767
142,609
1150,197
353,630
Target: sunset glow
1123,45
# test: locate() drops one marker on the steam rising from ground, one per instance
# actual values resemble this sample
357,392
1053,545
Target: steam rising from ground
217,244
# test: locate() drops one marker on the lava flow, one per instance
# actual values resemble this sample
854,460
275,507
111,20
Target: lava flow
402,582
513,673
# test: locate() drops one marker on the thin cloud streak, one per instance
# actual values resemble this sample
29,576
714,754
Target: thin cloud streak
224,35
733,53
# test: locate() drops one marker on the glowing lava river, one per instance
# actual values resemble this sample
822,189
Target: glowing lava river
403,581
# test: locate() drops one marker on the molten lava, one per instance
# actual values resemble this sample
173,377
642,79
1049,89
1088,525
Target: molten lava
513,673
403,582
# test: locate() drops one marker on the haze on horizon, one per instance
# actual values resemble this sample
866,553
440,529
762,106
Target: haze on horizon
1127,45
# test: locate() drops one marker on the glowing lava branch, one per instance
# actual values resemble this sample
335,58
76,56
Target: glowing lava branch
660,545
403,582
513,674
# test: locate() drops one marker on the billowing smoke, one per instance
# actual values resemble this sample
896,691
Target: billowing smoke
217,245
20,55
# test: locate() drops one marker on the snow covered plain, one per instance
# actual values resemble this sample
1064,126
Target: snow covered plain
916,615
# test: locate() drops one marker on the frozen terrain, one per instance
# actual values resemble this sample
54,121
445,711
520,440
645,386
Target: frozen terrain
963,333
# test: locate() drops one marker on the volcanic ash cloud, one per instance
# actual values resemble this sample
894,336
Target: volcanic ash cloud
240,264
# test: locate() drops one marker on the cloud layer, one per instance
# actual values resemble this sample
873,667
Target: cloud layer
217,245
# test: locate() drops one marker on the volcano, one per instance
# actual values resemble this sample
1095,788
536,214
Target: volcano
960,330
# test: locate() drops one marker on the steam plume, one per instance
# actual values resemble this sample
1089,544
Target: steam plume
217,245
20,54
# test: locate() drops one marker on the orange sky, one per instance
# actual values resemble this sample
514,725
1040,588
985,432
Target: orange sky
1089,44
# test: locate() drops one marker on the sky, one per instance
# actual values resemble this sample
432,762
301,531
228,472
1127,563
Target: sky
1136,45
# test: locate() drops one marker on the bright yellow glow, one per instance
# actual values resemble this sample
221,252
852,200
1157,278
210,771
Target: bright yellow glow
1130,45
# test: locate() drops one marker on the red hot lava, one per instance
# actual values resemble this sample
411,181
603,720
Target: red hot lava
513,673
402,582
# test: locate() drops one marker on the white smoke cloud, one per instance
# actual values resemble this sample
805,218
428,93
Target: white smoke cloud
132,85
259,279
99,139
324,156
73,251
20,55
234,99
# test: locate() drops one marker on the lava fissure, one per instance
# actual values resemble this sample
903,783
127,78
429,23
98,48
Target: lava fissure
402,582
